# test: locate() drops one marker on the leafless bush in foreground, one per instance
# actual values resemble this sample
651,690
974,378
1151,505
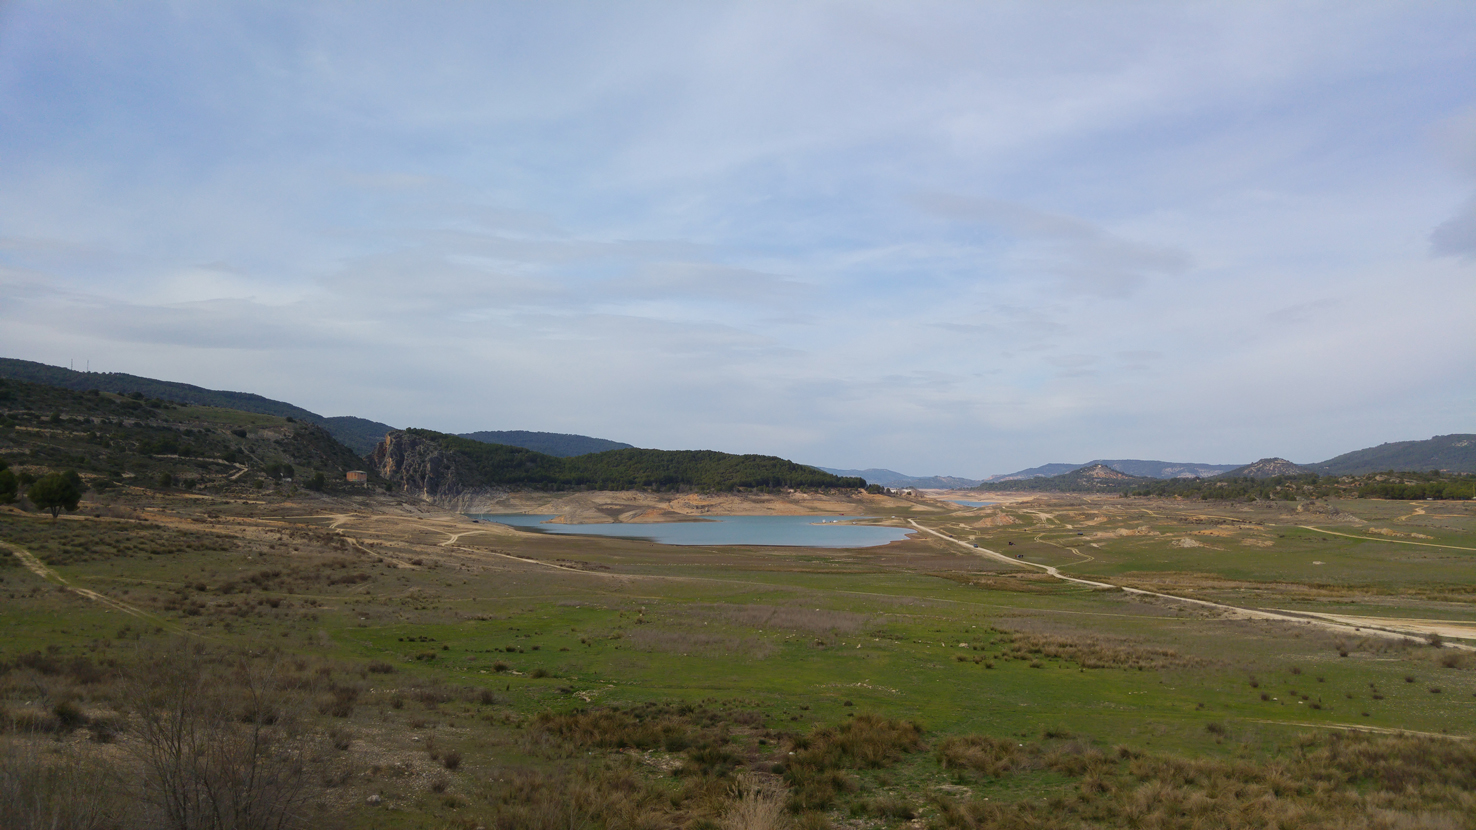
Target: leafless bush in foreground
214,746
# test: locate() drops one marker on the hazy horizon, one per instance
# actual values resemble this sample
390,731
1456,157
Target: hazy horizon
945,238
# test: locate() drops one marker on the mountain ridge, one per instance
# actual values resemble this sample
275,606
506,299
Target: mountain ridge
557,444
896,480
1454,453
1131,466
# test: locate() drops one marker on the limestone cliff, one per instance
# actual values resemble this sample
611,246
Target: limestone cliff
421,467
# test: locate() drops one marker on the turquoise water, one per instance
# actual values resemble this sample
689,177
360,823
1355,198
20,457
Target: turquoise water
787,531
971,503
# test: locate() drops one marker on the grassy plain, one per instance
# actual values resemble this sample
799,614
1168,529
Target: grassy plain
445,673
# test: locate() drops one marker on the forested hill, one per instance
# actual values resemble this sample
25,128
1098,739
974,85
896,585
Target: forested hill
560,444
437,464
359,434
1451,453
112,440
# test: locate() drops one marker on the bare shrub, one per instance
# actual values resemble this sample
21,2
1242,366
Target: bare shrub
44,786
205,766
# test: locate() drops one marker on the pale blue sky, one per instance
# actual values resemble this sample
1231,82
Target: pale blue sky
944,238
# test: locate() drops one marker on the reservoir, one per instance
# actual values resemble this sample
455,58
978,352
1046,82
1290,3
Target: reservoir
971,503
786,531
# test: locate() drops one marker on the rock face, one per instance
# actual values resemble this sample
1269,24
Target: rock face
419,467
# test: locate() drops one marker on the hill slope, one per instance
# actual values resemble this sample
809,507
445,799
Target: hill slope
1451,453
358,434
438,465
561,445
114,440
1267,468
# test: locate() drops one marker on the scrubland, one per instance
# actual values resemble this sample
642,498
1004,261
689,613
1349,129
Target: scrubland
316,660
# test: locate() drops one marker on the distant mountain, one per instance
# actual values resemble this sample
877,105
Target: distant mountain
350,431
1043,471
557,444
1133,467
1167,469
896,480
1451,453
1093,478
1267,468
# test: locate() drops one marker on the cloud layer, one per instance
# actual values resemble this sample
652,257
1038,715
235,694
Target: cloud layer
948,238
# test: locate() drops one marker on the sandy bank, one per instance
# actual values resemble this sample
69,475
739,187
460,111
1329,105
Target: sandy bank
628,507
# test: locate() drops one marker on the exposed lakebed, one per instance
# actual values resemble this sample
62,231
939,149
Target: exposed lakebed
786,531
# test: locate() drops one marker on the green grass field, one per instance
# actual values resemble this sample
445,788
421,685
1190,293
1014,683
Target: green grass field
538,661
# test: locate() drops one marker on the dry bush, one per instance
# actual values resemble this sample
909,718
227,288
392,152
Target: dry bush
1337,780
995,757
757,805
214,743
816,770
47,786
673,727
598,795
1092,651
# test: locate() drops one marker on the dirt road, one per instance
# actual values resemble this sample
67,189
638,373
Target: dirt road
39,568
1366,626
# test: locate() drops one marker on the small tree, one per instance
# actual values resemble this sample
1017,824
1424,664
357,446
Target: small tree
56,492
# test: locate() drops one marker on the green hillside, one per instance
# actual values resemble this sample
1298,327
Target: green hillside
549,443
1451,453
116,440
499,465
359,434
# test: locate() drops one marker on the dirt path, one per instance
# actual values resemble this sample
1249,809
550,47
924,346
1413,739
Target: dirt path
1358,727
455,536
1384,539
1409,626
1321,621
39,568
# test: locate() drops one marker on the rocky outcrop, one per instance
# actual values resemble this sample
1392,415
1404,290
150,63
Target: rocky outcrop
420,467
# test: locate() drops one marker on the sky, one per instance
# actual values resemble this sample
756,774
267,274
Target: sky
956,238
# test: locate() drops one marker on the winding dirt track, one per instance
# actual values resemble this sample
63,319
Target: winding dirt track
1368,628
39,568
1396,541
